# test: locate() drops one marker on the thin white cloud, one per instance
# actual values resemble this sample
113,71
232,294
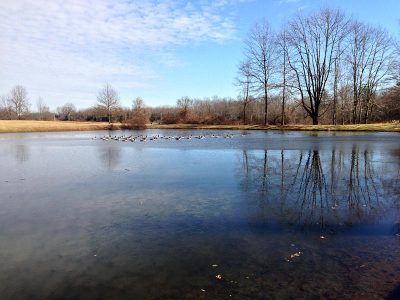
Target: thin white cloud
289,1
62,49
303,7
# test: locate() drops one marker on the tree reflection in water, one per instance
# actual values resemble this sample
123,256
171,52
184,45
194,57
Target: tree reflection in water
21,153
110,156
327,189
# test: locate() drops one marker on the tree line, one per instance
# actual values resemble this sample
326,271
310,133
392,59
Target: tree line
319,68
337,68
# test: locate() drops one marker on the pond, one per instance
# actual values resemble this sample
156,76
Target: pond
199,215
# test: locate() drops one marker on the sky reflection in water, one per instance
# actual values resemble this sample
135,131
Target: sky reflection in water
85,218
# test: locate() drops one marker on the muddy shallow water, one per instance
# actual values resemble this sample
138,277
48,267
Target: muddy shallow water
229,215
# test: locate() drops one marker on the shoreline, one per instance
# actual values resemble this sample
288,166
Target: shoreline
378,127
15,126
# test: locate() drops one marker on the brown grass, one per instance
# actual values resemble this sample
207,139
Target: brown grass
37,126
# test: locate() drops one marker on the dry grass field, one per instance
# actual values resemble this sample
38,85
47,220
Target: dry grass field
37,126
9,126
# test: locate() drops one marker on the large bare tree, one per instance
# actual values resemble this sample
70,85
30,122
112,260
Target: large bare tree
108,100
260,53
313,41
19,101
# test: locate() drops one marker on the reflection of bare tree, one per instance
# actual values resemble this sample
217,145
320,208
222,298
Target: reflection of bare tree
21,153
256,172
110,156
362,192
334,183
312,190
245,164
308,187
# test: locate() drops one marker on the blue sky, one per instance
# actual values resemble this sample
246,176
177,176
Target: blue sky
65,51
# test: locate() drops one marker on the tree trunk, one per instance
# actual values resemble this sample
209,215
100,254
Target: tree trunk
244,114
366,113
284,88
355,98
335,87
359,114
354,117
265,106
315,119
334,122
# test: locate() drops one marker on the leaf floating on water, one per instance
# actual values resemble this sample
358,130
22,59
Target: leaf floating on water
296,254
219,277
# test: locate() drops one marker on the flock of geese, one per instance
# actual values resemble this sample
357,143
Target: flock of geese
145,138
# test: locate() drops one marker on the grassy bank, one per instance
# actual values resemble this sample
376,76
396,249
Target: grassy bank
7,126
390,127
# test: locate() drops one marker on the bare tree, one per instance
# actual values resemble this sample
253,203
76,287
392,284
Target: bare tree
108,100
344,98
284,66
260,53
5,108
244,81
66,111
138,104
42,108
184,104
357,58
313,43
396,73
370,56
139,116
19,101
282,51
340,79
397,58
378,68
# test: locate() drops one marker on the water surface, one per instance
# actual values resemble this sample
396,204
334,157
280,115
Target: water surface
275,214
